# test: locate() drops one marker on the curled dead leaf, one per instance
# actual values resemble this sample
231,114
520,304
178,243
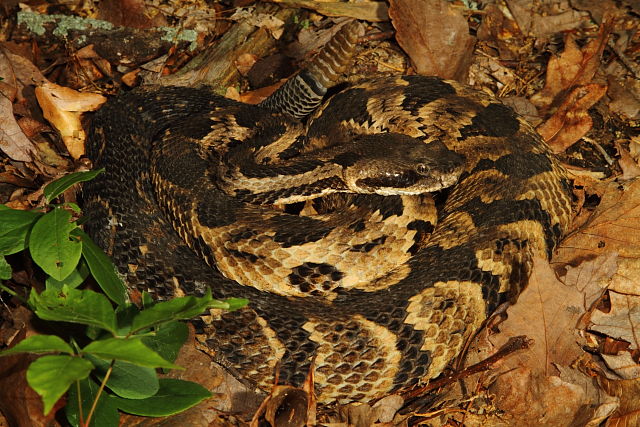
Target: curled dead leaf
285,406
630,167
622,364
628,413
62,107
622,321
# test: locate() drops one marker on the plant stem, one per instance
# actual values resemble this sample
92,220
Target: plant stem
12,293
102,385
80,417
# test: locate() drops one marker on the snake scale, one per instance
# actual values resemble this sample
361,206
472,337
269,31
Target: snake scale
372,291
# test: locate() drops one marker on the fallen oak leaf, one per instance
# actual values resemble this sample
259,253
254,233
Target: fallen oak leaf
572,120
613,226
574,67
536,384
548,310
62,107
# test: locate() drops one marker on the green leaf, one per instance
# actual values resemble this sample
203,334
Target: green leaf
5,269
74,207
175,309
168,339
130,350
51,376
147,299
57,187
102,269
173,397
76,306
73,280
127,380
15,226
51,245
39,344
106,413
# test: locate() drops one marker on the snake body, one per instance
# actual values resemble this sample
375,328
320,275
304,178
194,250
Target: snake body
167,211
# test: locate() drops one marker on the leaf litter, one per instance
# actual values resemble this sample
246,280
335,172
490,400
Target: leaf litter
570,67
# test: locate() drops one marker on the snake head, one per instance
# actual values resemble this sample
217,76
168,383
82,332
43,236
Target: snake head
395,164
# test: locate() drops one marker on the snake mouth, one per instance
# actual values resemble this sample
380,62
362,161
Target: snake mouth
407,182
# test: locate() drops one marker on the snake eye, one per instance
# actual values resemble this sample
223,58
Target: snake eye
422,169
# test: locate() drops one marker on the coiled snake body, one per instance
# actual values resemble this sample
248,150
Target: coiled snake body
164,210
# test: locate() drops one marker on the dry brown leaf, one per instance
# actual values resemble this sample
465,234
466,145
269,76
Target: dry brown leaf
285,406
386,408
622,321
127,13
62,107
592,277
18,402
614,226
530,399
502,31
259,95
625,280
537,24
245,61
572,120
630,167
625,97
18,71
357,414
597,8
547,311
574,67
427,28
13,141
535,387
628,413
634,148
623,365
571,73
271,23
232,93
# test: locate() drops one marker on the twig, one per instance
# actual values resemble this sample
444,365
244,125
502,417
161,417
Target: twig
514,344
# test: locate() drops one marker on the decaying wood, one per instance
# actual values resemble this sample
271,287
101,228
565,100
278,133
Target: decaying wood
216,65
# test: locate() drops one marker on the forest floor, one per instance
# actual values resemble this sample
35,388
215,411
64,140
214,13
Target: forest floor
570,67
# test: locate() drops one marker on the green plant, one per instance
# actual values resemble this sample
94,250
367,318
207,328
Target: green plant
110,365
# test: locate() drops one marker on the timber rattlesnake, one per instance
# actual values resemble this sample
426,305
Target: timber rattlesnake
367,333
